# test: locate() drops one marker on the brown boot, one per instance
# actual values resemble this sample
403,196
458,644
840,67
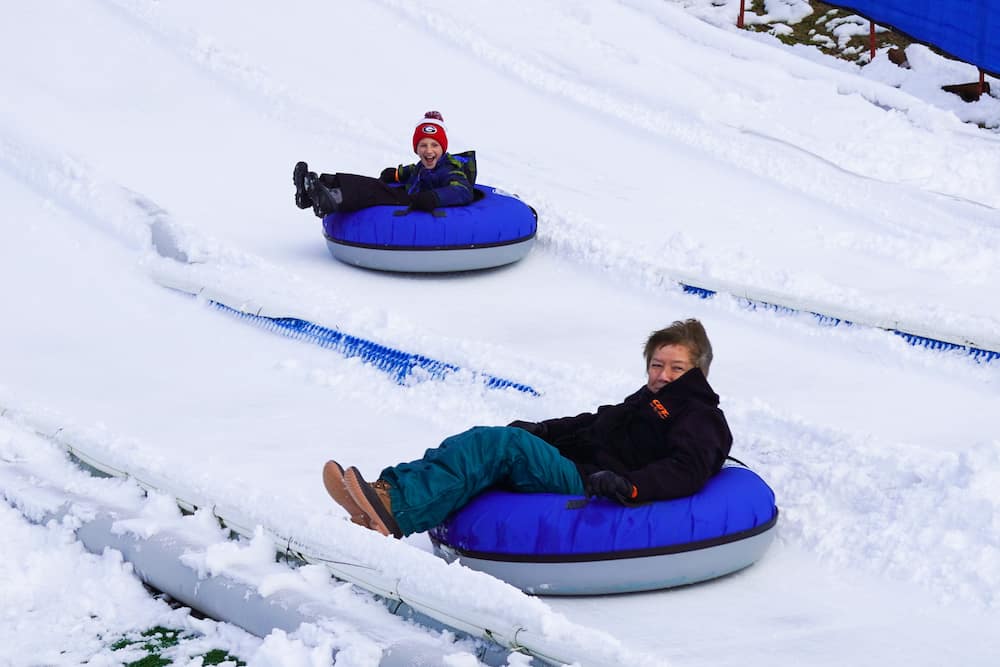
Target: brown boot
333,480
374,501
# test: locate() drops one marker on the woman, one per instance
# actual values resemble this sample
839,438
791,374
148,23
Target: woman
664,441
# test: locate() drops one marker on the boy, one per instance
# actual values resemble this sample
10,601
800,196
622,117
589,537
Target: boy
438,179
664,441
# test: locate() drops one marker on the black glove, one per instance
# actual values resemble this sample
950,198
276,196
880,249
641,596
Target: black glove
534,428
610,485
388,175
424,201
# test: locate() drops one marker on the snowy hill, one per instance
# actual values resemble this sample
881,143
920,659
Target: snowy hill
657,142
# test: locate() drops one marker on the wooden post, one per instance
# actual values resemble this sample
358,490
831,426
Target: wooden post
871,39
982,82
739,19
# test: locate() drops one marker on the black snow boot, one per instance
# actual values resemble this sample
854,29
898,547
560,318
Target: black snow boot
302,199
324,200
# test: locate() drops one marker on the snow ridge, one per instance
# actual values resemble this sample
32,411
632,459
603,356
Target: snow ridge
390,569
403,367
629,265
855,501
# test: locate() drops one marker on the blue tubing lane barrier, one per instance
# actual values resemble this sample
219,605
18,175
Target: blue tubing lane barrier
400,365
979,354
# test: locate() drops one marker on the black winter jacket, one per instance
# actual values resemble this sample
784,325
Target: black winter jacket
667,444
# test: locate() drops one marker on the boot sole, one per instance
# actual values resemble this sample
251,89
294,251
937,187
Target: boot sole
378,517
333,480
299,175
302,199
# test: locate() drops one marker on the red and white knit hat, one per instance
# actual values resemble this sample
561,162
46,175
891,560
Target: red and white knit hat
431,127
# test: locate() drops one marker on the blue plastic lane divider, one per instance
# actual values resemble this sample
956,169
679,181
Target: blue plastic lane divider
979,354
400,365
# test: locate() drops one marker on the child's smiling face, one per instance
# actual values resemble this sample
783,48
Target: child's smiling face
429,152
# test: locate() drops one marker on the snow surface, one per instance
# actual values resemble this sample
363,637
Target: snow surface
655,140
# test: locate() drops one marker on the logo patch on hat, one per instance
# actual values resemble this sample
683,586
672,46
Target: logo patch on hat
429,129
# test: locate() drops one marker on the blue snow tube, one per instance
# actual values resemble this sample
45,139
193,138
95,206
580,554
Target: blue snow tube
495,229
553,544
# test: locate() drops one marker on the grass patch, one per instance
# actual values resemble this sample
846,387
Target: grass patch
217,656
820,30
156,641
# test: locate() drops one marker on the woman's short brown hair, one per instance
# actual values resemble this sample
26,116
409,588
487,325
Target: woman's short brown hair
691,334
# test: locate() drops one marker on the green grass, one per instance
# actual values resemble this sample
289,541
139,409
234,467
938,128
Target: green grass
218,656
816,30
155,641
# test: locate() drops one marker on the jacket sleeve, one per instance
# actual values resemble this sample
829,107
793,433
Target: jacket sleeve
559,428
457,191
404,172
565,427
699,446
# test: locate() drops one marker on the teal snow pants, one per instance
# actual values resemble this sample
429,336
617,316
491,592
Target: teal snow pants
424,492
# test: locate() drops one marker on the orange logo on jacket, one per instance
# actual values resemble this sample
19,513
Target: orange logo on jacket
661,411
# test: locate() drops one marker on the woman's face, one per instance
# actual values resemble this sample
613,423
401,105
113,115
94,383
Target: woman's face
668,363
429,152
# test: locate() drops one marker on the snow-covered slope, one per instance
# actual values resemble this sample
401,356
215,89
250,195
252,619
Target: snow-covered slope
655,140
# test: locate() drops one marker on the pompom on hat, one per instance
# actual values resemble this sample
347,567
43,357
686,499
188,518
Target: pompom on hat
431,126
